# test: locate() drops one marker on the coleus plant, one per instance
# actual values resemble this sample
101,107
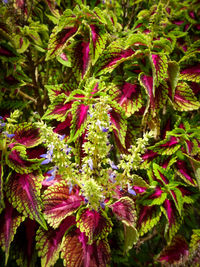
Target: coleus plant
101,163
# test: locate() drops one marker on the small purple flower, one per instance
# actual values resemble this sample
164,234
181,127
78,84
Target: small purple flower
9,135
47,156
67,150
53,173
61,137
131,191
113,166
105,130
90,163
112,177
2,124
70,188
102,205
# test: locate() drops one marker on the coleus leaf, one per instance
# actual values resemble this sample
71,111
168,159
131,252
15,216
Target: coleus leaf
185,173
118,121
191,74
18,160
10,221
124,210
173,76
174,219
96,225
167,146
23,245
194,247
59,203
139,184
147,82
128,96
77,253
112,57
99,37
79,120
175,252
80,58
26,134
130,237
155,198
58,110
1,187
148,217
159,66
23,191
184,98
61,34
48,243
72,250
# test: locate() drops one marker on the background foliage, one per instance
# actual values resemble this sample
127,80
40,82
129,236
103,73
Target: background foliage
99,133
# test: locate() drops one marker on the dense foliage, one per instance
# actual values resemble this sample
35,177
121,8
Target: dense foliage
99,133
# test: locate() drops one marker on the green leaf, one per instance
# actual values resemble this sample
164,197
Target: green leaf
130,237
173,73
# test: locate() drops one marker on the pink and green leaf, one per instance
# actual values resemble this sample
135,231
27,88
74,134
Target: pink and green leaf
119,122
99,37
23,191
191,74
79,120
59,203
81,58
167,146
114,55
124,210
148,217
185,173
72,250
18,161
128,96
184,98
95,225
10,221
59,39
48,243
175,252
174,220
26,134
159,66
148,84
77,253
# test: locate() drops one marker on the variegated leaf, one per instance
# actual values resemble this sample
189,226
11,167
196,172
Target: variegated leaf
159,66
77,253
59,203
148,217
95,225
23,191
174,219
111,57
79,120
124,210
99,37
10,221
184,98
128,96
167,146
48,243
175,252
26,134
18,161
191,74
